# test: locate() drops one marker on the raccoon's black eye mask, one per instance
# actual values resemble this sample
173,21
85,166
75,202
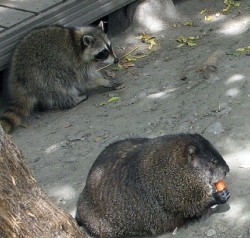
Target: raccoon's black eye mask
102,55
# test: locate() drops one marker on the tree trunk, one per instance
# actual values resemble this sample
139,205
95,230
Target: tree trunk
154,15
25,210
143,16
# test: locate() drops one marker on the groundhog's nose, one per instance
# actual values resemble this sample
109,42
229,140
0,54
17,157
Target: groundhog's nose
116,60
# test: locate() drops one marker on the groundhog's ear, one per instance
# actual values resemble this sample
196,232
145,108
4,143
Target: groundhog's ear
87,40
191,155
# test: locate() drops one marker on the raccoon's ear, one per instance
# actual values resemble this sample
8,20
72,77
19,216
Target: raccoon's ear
101,25
87,40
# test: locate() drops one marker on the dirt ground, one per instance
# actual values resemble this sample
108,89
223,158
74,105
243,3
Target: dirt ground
198,89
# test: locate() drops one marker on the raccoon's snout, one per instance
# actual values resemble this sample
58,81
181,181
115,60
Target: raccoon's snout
116,60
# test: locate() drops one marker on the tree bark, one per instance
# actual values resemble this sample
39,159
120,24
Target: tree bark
25,210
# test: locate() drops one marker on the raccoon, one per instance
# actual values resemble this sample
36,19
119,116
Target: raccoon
52,67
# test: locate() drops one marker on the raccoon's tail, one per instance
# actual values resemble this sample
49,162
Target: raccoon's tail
14,115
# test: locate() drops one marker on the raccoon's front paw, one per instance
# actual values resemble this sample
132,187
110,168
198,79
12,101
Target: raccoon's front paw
117,85
222,197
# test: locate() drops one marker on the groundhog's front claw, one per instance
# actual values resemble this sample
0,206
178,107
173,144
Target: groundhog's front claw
222,197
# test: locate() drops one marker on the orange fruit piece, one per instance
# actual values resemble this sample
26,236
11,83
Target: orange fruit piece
220,185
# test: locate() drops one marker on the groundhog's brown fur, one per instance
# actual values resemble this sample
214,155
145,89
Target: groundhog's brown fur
140,186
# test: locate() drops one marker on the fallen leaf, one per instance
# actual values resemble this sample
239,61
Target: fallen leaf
68,125
243,49
179,38
191,44
230,4
240,49
102,104
114,99
180,45
203,11
233,53
188,23
150,40
226,9
235,4
191,38
119,66
130,58
142,36
152,43
127,65
190,41
208,18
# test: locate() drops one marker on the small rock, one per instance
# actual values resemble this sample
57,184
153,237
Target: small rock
78,136
111,95
225,111
56,147
210,232
215,128
183,78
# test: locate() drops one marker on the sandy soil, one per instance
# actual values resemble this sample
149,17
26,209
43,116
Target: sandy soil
197,89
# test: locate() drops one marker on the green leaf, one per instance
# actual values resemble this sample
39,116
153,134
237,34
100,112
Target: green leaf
234,53
114,99
180,45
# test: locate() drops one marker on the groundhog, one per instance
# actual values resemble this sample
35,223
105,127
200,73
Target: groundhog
144,186
51,68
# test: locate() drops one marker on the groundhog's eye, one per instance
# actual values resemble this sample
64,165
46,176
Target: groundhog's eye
102,55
